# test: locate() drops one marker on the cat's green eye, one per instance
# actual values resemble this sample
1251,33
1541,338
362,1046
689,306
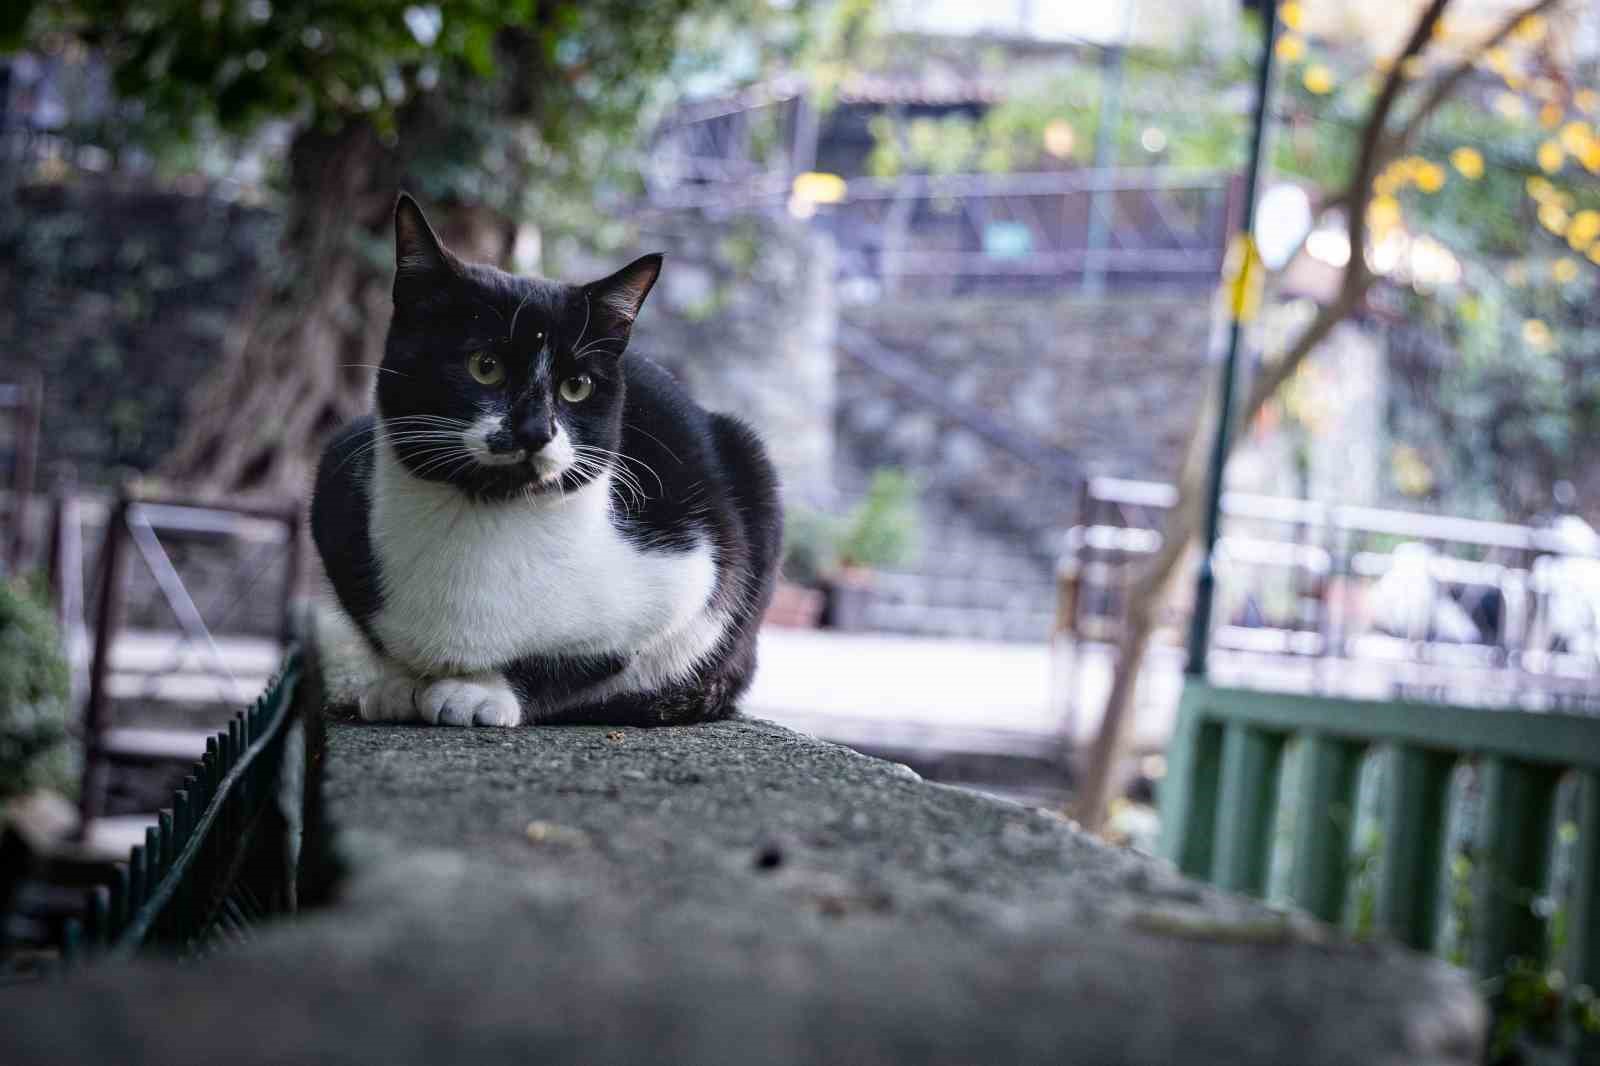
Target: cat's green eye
577,389
485,368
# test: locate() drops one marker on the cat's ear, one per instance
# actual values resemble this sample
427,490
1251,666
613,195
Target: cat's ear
421,261
618,298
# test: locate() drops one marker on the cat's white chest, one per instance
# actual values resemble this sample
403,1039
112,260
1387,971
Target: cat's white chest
472,586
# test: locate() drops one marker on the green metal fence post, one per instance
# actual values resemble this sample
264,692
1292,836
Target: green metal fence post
1189,790
98,925
119,901
1246,808
1416,810
1325,821
135,880
1519,801
1583,949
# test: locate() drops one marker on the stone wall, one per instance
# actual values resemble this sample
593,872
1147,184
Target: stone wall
1112,383
1110,386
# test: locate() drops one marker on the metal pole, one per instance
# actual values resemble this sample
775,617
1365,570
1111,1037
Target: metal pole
1246,266
107,618
1102,200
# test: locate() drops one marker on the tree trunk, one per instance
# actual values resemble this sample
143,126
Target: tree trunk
1149,591
305,351
1145,598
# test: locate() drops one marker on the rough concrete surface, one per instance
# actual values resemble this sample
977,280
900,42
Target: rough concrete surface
738,893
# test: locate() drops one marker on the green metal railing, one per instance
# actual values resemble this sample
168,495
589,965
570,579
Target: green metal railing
217,860
1226,788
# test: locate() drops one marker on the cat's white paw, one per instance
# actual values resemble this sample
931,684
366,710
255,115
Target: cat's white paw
390,699
484,700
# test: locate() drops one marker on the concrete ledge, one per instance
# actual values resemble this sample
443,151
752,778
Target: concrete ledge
738,892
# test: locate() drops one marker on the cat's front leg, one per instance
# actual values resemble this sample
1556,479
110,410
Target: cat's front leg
478,699
392,696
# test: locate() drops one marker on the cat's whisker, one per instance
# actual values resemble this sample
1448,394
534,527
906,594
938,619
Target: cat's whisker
587,307
592,462
635,489
440,456
660,486
639,429
429,420
596,346
445,458
375,366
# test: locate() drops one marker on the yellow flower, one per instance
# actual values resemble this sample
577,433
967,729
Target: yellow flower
1290,48
1430,177
1565,269
1318,79
1291,14
1059,138
1540,188
1550,116
1530,30
1551,157
1383,214
819,188
1575,137
1583,228
1591,156
1586,100
1535,333
1497,59
1553,218
1412,475
1468,162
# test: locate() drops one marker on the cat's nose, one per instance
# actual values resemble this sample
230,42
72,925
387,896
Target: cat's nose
532,434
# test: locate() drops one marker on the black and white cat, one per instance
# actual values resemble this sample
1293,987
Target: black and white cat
538,526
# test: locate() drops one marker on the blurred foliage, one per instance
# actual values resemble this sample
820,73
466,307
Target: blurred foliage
526,101
34,748
880,531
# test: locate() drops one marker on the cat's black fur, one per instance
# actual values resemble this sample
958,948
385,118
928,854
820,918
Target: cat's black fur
705,477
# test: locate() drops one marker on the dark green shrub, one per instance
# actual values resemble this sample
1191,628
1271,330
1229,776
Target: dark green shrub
34,744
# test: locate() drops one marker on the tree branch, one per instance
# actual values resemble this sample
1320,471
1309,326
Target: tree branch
1445,87
1371,156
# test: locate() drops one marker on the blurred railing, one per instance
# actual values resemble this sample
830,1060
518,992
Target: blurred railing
1142,227
1431,607
968,232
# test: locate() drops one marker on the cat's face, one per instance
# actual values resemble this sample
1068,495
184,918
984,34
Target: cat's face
500,385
